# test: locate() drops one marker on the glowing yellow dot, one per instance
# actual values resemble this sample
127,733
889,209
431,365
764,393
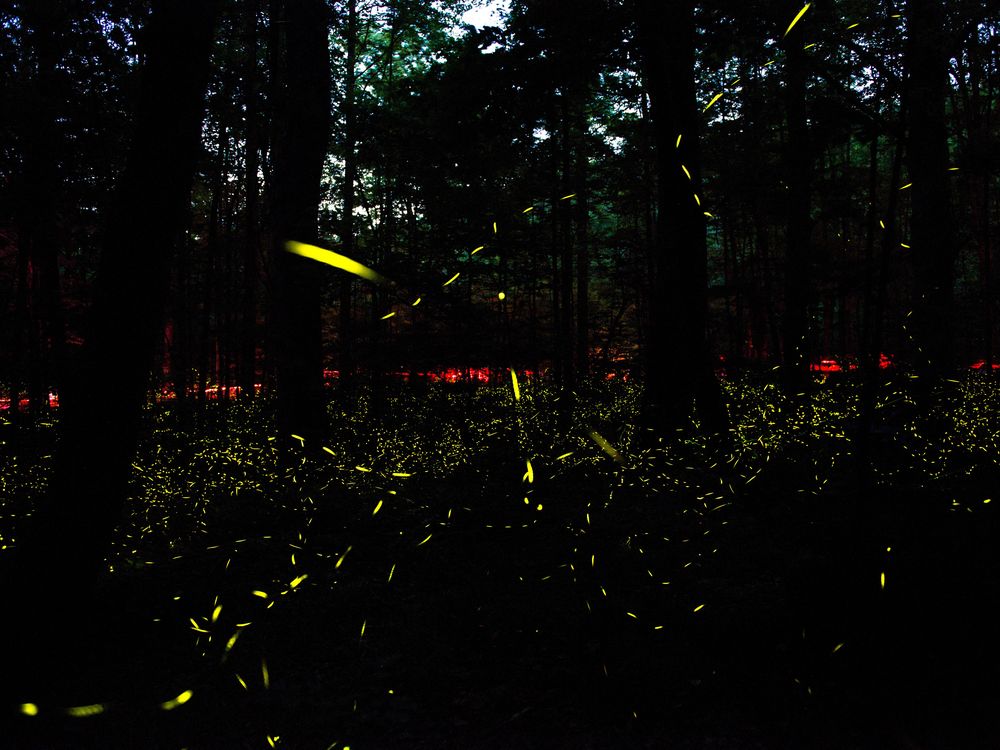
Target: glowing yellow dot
501,296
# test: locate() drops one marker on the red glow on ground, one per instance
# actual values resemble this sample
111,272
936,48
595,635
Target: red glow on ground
212,392
24,403
847,364
483,375
981,365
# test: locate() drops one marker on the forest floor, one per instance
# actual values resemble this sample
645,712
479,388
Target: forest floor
420,592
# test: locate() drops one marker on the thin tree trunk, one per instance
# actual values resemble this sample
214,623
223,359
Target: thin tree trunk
38,220
582,251
931,229
678,347
301,121
798,165
251,243
350,178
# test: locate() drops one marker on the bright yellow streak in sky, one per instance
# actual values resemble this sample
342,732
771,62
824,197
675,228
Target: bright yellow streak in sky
796,19
334,259
714,100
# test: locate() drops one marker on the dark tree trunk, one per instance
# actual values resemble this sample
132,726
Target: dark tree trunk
582,219
679,369
301,121
61,554
45,20
180,355
798,169
251,244
347,221
212,299
931,231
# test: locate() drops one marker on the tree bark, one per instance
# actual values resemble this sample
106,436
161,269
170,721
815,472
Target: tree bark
798,169
61,554
47,22
582,249
251,243
679,370
301,123
350,178
931,229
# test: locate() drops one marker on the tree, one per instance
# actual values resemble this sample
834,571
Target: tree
931,228
251,246
798,166
677,358
40,324
60,555
298,147
350,178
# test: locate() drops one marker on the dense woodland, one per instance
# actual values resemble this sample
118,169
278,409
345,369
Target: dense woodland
414,134
267,265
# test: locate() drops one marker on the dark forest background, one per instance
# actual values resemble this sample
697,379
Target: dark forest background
846,175
660,334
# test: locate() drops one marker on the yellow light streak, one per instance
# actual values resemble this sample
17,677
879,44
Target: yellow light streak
180,700
797,18
713,101
336,260
81,711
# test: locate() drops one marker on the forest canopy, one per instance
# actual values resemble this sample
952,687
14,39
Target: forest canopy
522,155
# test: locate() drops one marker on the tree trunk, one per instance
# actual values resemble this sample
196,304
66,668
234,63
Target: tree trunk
931,230
301,121
582,250
678,349
251,243
798,169
347,222
61,554
38,220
